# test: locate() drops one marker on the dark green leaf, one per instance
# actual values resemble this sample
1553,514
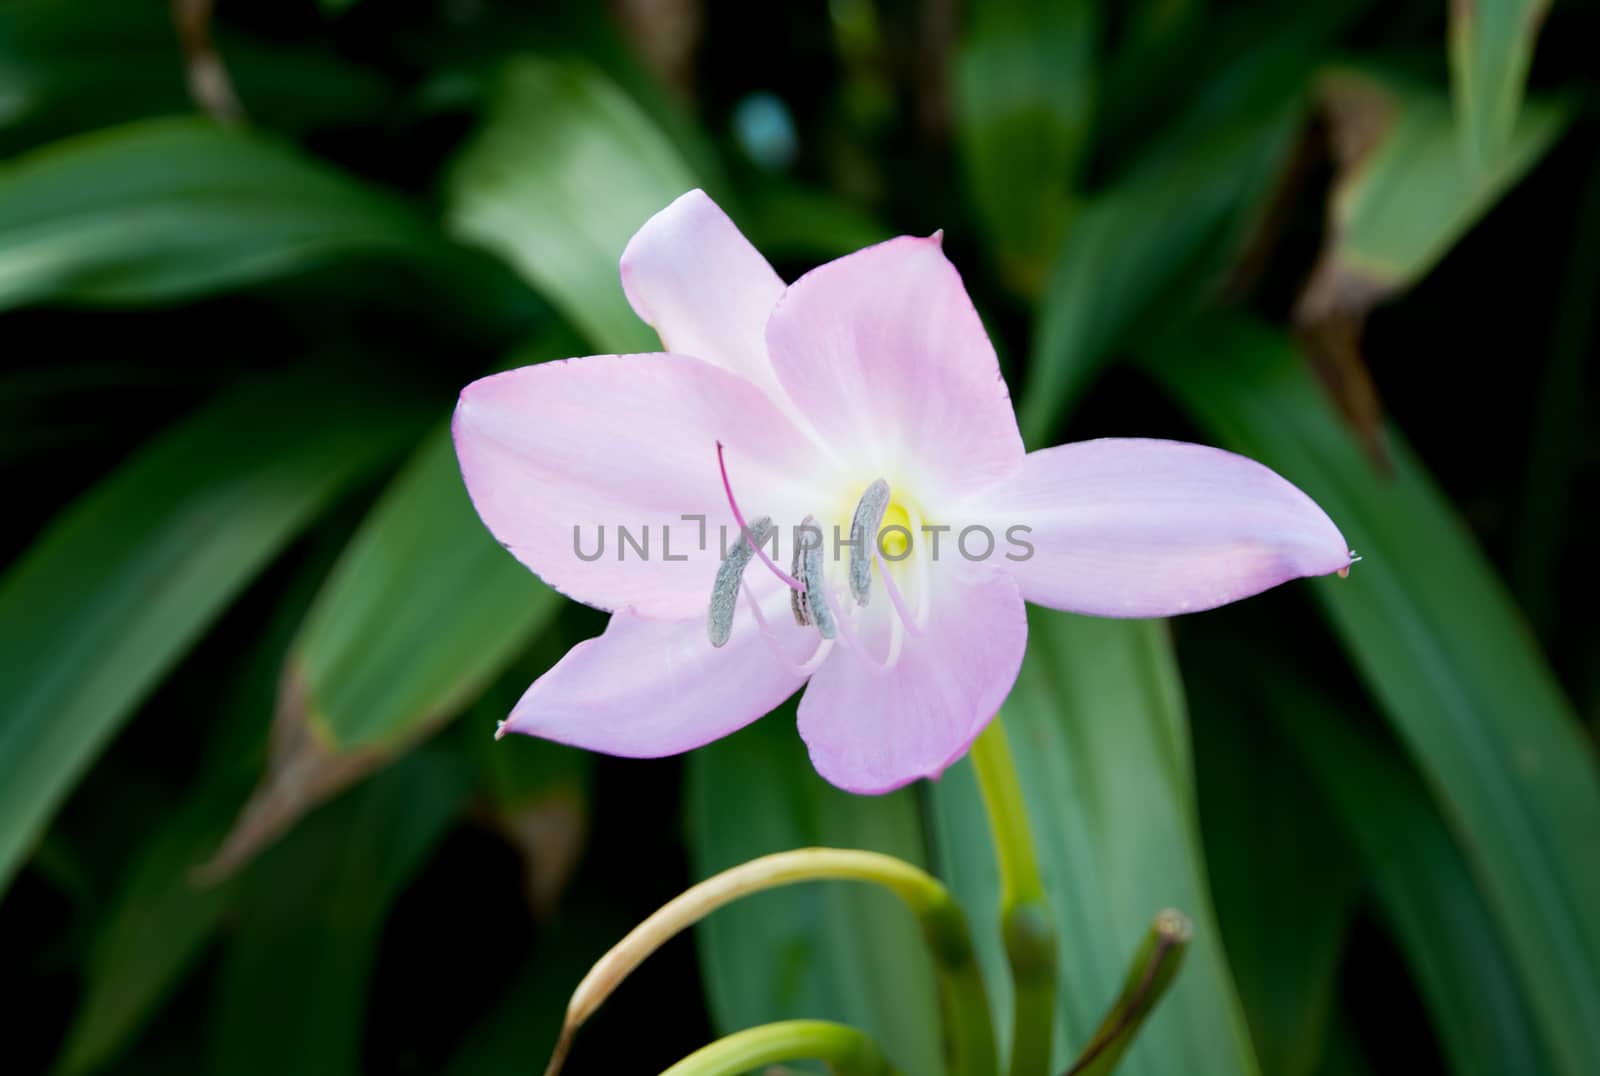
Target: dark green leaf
1422,886
120,585
1448,657
159,918
155,928
1130,258
293,985
422,611
1285,878
68,66
1025,84
170,209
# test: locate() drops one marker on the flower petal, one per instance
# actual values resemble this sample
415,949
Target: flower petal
552,453
873,730
884,354
693,277
648,688
1136,528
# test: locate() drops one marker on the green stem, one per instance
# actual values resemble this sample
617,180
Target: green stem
1025,918
969,1033
1154,967
848,1052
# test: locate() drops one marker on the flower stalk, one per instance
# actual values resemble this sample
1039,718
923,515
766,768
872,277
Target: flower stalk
1154,967
969,1033
846,1051
1026,923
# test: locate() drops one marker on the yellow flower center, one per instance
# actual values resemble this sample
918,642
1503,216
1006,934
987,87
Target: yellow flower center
894,534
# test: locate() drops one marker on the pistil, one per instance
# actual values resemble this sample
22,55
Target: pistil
738,517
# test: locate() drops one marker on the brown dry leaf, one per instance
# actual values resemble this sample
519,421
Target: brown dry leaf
1331,314
204,70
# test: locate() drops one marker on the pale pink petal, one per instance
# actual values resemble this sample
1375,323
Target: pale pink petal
871,729
1137,528
626,441
648,688
698,282
884,355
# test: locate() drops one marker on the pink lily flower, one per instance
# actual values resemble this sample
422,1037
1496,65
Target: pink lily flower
866,394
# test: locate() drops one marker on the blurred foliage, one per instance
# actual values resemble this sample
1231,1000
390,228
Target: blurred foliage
253,641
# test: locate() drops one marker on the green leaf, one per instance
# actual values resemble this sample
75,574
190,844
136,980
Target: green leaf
68,66
1285,879
1491,49
423,610
158,919
292,989
1025,89
154,929
1101,742
172,209
1344,1056
1149,249
133,572
1404,196
564,170
421,613
833,951
1422,885
1449,659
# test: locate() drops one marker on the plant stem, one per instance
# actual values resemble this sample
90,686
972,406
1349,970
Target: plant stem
969,1033
847,1051
1026,923
1154,967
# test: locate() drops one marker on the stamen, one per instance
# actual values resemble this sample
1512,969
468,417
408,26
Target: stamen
799,603
811,572
730,574
863,529
738,517
912,624
854,642
805,668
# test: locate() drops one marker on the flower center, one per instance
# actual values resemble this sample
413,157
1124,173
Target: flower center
894,536
880,534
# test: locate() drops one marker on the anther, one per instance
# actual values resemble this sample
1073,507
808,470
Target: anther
864,530
799,602
730,574
810,563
